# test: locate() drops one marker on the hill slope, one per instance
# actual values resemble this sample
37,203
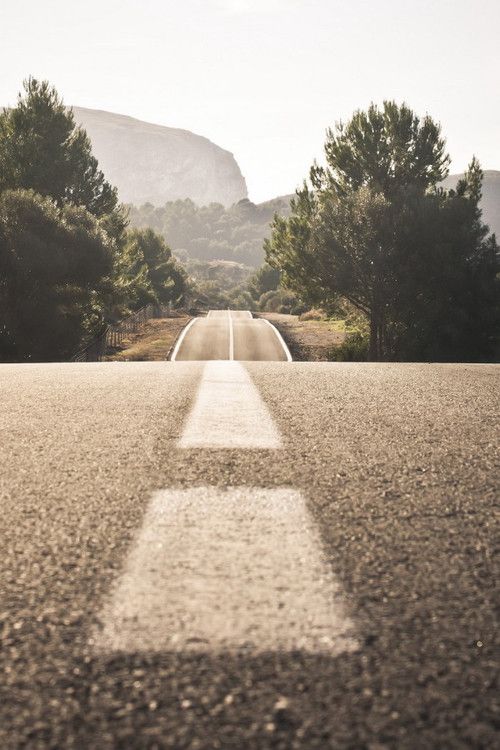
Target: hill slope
237,233
156,164
212,232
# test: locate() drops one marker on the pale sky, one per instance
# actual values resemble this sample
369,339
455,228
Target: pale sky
265,78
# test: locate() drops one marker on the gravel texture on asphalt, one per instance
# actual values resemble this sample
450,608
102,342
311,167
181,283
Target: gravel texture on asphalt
399,466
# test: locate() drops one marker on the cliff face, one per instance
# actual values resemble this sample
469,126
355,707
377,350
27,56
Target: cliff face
154,164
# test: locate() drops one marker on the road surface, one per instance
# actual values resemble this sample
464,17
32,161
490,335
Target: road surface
258,555
233,335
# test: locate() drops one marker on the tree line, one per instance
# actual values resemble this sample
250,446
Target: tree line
373,227
207,232
69,263
219,284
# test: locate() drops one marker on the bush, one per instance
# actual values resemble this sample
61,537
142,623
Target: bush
313,314
280,301
354,348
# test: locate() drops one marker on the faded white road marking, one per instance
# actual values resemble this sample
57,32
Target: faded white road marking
280,339
229,412
226,570
181,339
231,336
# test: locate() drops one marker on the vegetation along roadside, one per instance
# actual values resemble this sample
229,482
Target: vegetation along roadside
400,264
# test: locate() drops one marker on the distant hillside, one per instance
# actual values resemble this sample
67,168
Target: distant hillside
491,197
237,233
155,164
280,205
213,232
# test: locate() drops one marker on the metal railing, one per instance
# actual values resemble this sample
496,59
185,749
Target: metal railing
113,334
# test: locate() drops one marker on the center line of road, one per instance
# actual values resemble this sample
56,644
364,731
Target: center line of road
226,570
231,336
229,412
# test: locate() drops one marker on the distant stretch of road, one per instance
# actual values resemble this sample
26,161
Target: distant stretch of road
230,334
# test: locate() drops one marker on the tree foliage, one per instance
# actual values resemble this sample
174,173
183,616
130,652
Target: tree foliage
42,149
226,284
265,279
212,232
386,149
446,305
68,264
149,272
54,263
375,229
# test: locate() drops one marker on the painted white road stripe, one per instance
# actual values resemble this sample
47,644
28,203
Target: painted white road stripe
218,570
229,412
280,339
231,336
181,339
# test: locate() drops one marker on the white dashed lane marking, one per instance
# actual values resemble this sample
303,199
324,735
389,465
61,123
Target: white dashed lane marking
226,570
235,569
229,412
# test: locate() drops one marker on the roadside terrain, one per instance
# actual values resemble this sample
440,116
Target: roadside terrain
151,342
308,340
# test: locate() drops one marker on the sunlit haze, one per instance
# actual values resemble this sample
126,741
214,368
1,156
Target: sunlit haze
265,78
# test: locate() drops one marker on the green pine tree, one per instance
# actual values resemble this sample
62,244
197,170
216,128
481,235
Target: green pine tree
42,149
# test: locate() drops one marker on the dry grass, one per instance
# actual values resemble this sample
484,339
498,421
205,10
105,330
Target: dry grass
309,340
152,342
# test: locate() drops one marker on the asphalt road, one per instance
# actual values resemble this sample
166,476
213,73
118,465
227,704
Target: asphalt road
367,501
233,335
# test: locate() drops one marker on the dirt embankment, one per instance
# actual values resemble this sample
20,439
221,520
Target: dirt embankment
308,340
151,342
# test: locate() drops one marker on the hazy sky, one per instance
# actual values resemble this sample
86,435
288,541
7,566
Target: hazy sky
265,78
